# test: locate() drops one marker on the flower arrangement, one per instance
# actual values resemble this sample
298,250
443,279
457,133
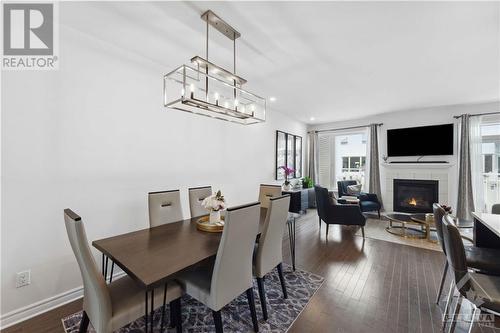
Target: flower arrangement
288,171
215,202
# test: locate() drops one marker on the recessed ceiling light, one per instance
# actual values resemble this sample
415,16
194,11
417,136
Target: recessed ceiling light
272,99
312,119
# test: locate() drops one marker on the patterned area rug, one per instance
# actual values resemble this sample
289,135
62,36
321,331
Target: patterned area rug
301,286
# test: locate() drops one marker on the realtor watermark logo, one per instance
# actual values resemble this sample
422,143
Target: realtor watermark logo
30,36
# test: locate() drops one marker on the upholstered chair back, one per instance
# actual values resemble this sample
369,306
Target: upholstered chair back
269,251
164,207
342,186
455,254
196,197
322,201
266,192
439,213
96,298
495,209
232,274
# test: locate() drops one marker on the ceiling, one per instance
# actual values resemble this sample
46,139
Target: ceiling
328,60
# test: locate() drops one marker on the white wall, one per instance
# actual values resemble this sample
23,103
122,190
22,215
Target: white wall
94,136
418,117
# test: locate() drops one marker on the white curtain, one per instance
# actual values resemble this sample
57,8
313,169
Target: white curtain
476,165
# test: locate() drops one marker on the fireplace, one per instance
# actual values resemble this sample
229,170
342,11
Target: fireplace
415,196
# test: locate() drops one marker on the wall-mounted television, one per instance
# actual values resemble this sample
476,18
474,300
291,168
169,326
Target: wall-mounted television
420,141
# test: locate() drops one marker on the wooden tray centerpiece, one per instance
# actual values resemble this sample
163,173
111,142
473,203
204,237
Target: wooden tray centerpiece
204,224
213,222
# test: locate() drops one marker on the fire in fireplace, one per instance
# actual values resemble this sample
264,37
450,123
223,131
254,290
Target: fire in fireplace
415,196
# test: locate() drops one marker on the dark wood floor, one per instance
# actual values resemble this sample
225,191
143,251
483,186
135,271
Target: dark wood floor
370,285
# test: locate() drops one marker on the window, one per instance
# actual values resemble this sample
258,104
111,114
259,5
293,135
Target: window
289,153
342,157
490,149
353,163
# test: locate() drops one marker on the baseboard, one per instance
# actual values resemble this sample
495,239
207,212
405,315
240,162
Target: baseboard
35,309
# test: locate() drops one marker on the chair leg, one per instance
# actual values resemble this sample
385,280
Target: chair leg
84,324
327,229
378,214
363,231
455,314
217,321
178,315
319,218
262,296
282,279
447,306
443,278
251,303
473,318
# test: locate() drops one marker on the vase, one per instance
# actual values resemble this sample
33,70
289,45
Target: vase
287,187
214,216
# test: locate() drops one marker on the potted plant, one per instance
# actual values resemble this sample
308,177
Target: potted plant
307,182
288,171
214,204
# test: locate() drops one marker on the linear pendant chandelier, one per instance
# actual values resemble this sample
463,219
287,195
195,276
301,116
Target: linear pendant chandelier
207,89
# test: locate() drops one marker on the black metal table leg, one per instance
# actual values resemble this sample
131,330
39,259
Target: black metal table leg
152,308
291,238
146,313
149,315
163,308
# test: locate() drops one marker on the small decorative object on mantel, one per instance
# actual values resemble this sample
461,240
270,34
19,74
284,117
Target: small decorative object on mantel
214,222
385,158
287,171
447,209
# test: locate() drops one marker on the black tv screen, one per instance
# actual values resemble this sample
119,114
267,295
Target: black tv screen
420,141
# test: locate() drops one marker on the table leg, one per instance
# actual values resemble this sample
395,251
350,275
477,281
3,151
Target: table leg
163,308
146,313
152,309
291,238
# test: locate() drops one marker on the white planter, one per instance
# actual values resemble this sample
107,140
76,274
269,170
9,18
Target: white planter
287,187
214,216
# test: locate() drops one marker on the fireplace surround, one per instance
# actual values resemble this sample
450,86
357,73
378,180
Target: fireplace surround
415,195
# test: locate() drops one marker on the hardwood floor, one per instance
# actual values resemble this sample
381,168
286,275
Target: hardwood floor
370,285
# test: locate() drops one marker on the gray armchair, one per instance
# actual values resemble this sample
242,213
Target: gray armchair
332,213
368,202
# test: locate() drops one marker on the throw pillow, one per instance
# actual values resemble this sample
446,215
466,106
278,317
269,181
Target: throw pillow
354,190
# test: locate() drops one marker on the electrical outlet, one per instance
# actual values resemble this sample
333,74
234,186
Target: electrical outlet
23,278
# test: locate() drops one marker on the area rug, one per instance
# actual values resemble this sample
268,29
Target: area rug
375,229
197,318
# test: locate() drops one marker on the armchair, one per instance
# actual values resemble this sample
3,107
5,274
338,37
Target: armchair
368,202
332,213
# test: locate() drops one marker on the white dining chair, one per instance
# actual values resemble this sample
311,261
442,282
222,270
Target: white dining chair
109,307
164,207
196,197
218,280
269,254
266,192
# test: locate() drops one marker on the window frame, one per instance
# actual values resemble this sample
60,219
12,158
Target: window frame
288,150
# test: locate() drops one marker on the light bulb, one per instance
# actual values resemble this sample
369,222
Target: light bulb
252,107
243,108
216,96
191,87
182,92
235,102
226,105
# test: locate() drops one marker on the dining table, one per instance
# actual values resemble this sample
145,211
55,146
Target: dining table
152,256
486,230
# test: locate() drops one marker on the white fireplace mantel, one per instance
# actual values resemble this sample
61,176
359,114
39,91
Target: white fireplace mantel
422,171
422,165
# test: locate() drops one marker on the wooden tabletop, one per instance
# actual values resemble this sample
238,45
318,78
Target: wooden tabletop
151,256
491,221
